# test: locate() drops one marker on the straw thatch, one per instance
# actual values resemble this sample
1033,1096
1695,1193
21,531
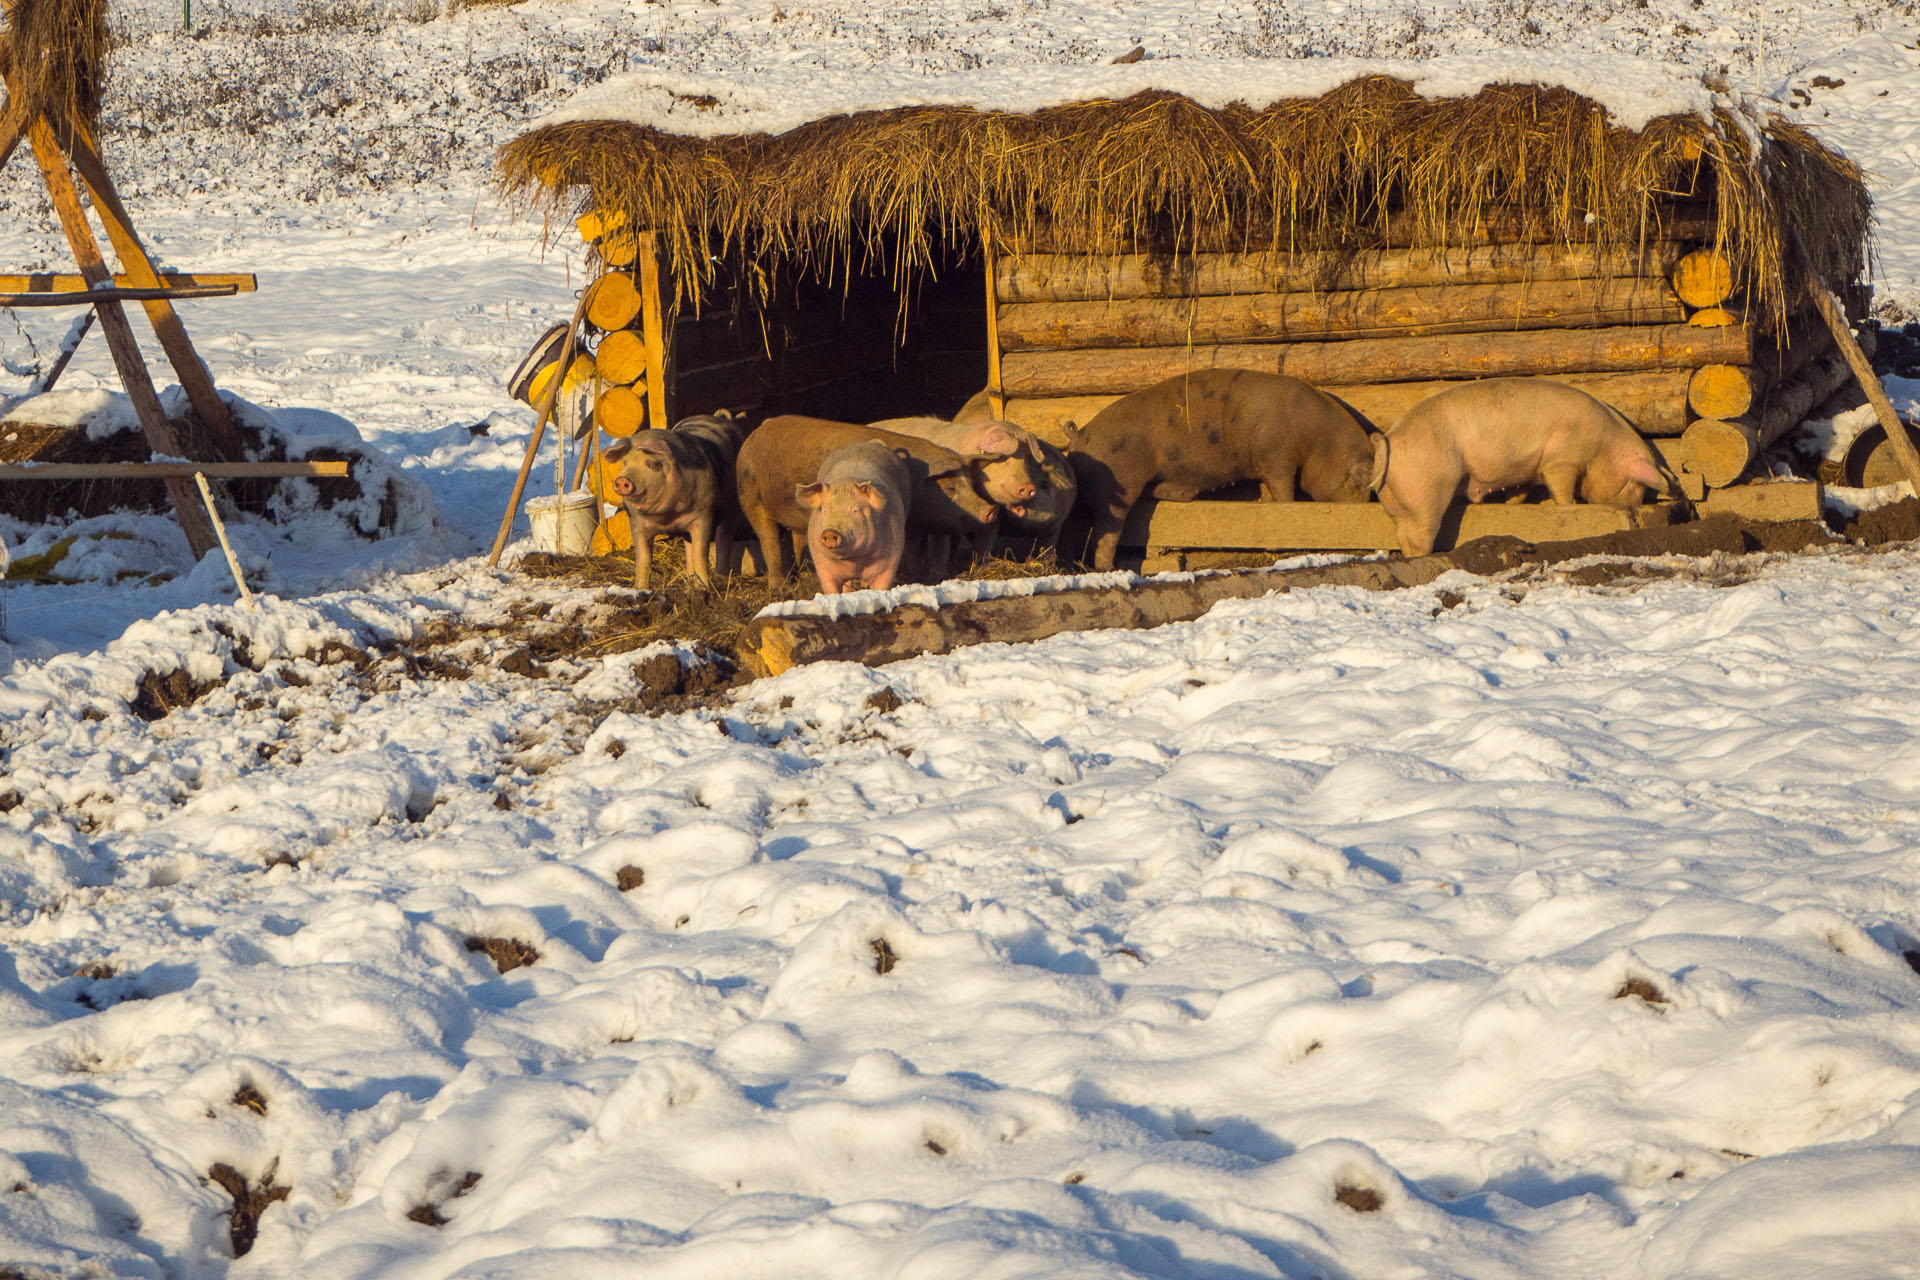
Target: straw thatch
1158,172
54,53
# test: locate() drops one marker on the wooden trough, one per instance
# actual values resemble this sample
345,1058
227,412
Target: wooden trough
1381,245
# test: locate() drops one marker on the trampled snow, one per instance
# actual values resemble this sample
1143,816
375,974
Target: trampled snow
1545,931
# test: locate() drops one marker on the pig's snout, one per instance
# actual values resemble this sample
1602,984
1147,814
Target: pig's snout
623,486
1024,491
831,539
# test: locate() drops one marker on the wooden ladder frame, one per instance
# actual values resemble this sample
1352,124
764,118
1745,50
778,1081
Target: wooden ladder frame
63,149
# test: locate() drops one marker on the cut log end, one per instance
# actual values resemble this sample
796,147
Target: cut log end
1719,451
620,411
1722,390
622,358
613,301
1703,279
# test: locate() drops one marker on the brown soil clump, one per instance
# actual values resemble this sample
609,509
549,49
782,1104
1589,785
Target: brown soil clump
1357,1198
249,1202
158,695
1895,522
507,954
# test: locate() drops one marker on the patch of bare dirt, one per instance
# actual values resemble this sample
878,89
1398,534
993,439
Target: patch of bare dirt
507,954
1895,522
884,957
1358,1198
158,696
250,1200
1641,988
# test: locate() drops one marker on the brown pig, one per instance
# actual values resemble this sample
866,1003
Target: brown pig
680,481
1036,504
1507,433
857,524
1215,427
787,451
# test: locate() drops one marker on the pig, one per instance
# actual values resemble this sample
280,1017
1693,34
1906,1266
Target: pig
785,451
1036,505
1215,427
680,481
857,524
1508,433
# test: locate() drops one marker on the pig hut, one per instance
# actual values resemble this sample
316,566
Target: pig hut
862,247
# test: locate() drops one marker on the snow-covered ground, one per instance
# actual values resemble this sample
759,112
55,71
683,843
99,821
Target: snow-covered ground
1570,932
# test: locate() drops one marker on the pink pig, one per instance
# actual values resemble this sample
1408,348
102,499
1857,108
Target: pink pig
1507,434
858,524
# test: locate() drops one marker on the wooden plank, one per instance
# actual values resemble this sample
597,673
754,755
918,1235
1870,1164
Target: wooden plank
1044,277
87,297
168,470
1771,501
653,329
140,271
154,424
1654,400
55,282
1364,313
1544,352
1353,526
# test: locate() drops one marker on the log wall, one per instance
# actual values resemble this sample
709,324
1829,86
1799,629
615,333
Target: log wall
1656,330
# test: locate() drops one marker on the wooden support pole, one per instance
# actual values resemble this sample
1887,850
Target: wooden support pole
68,345
220,531
139,269
542,416
996,386
653,323
1862,368
13,127
119,334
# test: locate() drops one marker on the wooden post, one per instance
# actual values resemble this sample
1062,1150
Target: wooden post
1836,318
996,388
220,531
13,127
653,327
193,375
119,335
554,391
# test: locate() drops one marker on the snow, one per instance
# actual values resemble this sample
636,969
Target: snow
775,100
1571,929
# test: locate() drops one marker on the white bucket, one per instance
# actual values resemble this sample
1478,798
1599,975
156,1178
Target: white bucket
564,525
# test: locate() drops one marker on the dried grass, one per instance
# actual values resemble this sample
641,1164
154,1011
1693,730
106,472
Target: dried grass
55,57
1370,163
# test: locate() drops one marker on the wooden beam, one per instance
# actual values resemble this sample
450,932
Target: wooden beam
653,328
1862,368
1360,526
1362,313
87,297
13,127
119,334
1045,277
53,282
139,269
1527,353
168,470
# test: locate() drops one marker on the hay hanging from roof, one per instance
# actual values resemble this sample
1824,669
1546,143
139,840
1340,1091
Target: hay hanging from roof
1370,163
54,53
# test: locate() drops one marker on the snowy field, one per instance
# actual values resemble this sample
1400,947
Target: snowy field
1479,930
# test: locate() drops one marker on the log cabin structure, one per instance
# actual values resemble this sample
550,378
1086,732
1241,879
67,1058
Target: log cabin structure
900,249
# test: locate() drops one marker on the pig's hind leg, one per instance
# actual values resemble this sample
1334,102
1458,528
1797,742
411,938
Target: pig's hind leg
1563,481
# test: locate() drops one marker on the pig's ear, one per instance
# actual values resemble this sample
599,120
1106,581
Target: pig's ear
1642,471
999,442
809,495
870,495
617,450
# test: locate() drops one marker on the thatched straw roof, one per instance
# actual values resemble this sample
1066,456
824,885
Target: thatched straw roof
1160,171
54,53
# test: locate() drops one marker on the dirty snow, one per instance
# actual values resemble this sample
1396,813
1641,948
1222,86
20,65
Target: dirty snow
1477,930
